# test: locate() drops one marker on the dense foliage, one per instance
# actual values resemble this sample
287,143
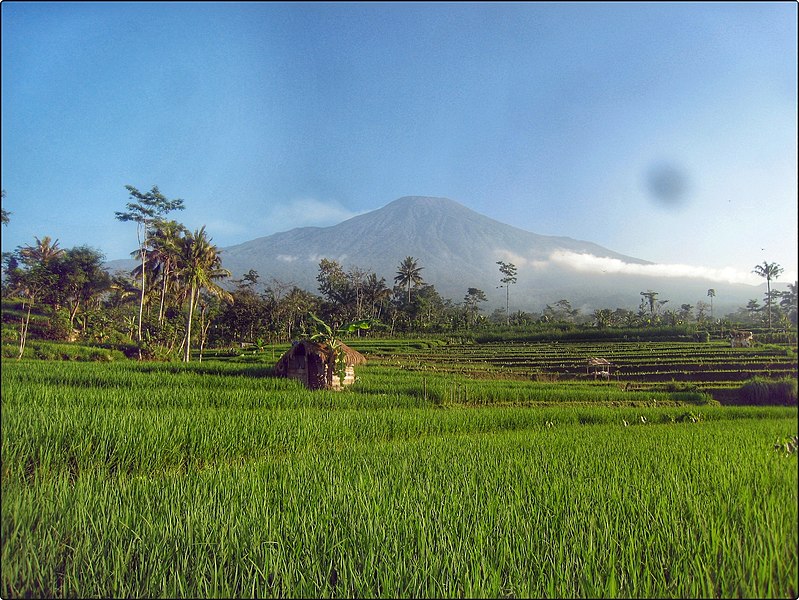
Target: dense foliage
179,297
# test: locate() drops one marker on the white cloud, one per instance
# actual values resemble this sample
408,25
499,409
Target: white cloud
287,257
519,261
315,258
307,212
597,264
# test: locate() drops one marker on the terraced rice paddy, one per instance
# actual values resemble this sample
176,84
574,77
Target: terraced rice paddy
706,366
434,476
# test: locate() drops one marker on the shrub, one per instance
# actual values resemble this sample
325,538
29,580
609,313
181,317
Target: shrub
65,351
764,392
702,336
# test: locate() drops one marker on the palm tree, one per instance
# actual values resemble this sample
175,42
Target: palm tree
711,294
768,271
376,294
147,210
603,317
651,298
509,272
788,302
42,253
199,265
753,307
409,274
122,291
165,247
36,280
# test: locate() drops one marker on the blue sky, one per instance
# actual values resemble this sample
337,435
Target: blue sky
665,131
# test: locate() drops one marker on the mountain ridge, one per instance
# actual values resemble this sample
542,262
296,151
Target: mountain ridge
458,248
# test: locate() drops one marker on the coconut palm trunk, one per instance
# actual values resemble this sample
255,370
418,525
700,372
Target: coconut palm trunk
200,265
141,300
163,292
768,271
23,335
192,296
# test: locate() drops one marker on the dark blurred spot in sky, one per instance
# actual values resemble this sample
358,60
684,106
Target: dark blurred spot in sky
668,184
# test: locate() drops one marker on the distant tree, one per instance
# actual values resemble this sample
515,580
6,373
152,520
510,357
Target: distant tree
244,319
768,271
336,288
32,278
652,301
427,307
210,306
357,281
121,292
31,284
508,271
5,214
164,250
701,307
376,295
789,303
711,293
627,318
671,317
753,307
562,311
295,306
43,252
199,266
686,312
603,317
81,277
37,261
409,274
146,210
250,278
473,297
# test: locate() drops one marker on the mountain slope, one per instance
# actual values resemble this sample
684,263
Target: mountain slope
458,249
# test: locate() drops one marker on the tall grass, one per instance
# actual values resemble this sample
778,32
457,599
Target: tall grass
217,480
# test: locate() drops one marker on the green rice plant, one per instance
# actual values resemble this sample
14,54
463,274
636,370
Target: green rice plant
216,479
565,511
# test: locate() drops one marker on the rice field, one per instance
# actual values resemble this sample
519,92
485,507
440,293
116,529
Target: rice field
218,480
706,365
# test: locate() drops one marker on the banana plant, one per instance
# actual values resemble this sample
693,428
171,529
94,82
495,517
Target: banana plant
332,338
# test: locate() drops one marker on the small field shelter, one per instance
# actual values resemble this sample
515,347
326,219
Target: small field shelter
314,365
599,367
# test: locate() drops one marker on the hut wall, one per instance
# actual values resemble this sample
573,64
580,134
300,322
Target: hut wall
349,378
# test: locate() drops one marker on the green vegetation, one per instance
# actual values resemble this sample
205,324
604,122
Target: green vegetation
180,298
478,456
760,391
216,479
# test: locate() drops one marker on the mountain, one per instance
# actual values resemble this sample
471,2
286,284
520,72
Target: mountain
459,248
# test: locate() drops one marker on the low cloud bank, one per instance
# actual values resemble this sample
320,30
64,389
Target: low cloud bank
598,264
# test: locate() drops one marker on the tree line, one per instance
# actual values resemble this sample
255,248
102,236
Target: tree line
174,300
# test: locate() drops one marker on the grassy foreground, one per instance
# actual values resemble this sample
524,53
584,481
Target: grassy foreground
215,480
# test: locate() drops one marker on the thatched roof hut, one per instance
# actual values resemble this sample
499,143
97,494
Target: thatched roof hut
599,367
314,364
